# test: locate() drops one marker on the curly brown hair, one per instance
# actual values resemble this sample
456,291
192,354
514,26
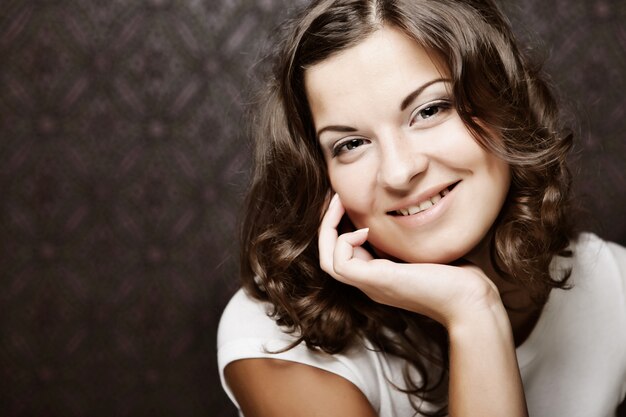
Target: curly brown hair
496,89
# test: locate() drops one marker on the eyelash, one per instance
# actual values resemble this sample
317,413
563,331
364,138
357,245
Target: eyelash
340,147
440,105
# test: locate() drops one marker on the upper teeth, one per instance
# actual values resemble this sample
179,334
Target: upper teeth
423,205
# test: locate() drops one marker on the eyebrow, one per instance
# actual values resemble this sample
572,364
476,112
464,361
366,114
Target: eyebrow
407,100
335,128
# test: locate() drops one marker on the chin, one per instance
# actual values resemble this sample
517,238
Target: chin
440,258
443,256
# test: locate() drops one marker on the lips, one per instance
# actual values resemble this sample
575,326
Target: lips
424,204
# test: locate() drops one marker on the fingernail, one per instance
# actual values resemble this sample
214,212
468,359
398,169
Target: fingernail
363,230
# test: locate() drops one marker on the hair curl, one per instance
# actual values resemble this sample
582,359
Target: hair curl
496,88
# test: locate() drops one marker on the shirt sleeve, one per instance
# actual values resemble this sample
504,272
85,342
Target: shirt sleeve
246,331
619,255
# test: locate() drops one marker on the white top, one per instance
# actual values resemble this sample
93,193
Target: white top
573,363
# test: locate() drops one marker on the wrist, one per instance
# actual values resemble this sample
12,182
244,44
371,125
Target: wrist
487,321
479,301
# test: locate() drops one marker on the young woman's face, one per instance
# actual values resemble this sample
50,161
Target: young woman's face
398,154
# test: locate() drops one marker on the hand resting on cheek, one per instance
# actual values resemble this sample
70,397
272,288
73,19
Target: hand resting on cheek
443,292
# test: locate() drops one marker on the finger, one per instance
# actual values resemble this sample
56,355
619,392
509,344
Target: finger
327,234
361,253
333,214
345,249
356,238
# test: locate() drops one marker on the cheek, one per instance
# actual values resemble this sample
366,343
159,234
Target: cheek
477,159
354,187
499,171
357,204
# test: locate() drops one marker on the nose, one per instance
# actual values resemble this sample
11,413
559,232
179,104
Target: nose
400,163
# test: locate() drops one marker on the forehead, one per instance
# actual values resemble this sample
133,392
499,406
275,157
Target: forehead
383,66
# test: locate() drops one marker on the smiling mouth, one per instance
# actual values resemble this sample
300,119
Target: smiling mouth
424,205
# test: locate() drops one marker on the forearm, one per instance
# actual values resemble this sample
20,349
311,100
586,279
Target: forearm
484,375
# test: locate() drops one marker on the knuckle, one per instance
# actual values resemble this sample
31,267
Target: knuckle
338,268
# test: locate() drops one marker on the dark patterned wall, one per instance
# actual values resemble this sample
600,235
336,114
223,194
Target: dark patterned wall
122,168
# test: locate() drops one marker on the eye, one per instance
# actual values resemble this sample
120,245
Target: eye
429,111
348,145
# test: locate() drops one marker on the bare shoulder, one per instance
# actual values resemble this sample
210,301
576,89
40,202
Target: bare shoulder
274,387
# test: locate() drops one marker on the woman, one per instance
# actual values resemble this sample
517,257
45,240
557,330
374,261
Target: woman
408,245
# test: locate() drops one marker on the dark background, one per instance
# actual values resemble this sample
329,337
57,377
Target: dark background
122,170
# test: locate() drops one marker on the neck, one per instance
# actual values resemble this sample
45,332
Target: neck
522,311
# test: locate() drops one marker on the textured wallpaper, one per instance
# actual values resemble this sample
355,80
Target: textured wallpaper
122,170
